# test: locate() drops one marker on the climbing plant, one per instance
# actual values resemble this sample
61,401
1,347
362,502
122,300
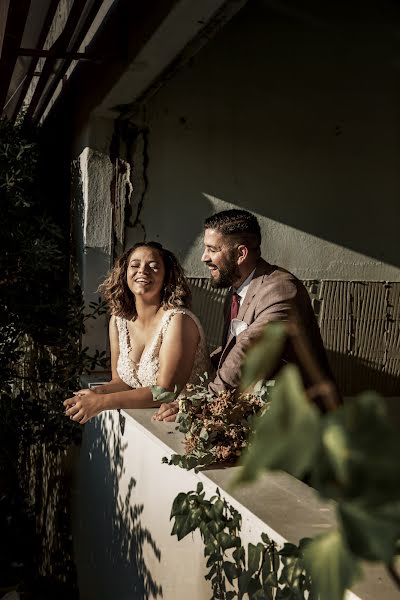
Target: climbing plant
41,322
261,571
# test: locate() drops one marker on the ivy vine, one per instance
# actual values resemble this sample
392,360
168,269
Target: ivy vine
260,572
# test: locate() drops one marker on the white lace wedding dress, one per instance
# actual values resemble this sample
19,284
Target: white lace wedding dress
144,373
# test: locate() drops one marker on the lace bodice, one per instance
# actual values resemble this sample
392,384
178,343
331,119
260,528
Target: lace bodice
144,373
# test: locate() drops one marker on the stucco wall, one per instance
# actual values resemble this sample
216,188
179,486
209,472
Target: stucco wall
294,117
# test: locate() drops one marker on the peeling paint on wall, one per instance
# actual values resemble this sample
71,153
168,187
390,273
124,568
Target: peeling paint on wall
120,197
96,173
139,160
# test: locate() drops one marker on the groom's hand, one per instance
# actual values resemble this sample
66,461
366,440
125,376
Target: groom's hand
166,412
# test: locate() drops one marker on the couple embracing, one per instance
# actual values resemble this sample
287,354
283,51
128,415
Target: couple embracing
156,340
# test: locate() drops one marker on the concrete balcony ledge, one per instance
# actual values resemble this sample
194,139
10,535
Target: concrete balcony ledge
121,506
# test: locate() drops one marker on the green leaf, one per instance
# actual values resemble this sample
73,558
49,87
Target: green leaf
212,559
265,539
203,434
359,452
230,571
178,504
254,554
371,533
254,589
243,582
272,579
227,541
287,594
218,508
262,358
161,394
331,565
239,554
286,436
290,550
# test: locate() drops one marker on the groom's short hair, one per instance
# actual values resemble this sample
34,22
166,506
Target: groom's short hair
239,224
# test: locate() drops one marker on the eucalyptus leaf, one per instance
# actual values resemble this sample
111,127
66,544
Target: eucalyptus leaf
262,358
286,436
161,394
371,532
358,456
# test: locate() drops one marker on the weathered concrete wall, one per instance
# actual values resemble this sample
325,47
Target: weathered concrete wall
122,528
93,174
101,196
294,117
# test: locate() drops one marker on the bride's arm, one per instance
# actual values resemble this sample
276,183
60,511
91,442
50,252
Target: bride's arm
116,384
176,358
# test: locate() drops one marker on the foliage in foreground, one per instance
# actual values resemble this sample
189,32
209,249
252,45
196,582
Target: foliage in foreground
349,455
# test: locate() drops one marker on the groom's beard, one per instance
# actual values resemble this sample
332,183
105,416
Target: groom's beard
227,274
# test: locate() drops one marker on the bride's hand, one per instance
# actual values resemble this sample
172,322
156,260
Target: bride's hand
96,389
167,412
84,405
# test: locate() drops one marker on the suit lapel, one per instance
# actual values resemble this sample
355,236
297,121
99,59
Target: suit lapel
262,269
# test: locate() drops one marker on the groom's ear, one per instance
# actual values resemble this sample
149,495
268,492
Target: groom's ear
242,253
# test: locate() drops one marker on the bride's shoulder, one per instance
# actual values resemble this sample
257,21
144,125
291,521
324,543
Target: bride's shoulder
183,318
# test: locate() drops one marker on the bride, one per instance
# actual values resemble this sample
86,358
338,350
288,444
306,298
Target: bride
154,338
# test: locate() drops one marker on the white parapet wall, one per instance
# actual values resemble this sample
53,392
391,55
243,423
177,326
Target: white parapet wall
122,499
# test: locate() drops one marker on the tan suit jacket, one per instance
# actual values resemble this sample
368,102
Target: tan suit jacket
274,294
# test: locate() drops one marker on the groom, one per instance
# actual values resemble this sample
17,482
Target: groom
260,293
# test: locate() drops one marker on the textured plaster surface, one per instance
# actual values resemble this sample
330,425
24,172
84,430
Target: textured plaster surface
94,224
97,174
282,116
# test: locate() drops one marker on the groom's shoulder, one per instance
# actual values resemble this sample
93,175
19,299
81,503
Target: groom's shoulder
274,283
269,273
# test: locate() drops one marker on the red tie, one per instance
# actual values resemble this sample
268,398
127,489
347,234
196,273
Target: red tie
234,305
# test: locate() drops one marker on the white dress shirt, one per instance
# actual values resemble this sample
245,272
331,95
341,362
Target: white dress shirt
236,325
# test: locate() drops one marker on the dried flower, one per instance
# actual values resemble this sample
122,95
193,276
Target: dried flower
216,427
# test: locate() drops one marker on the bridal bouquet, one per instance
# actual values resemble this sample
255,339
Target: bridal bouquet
216,428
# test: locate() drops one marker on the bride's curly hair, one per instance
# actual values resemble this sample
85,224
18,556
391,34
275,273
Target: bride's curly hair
121,302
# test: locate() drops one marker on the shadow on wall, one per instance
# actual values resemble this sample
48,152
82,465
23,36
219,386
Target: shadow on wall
325,126
355,375
109,538
362,347
291,112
